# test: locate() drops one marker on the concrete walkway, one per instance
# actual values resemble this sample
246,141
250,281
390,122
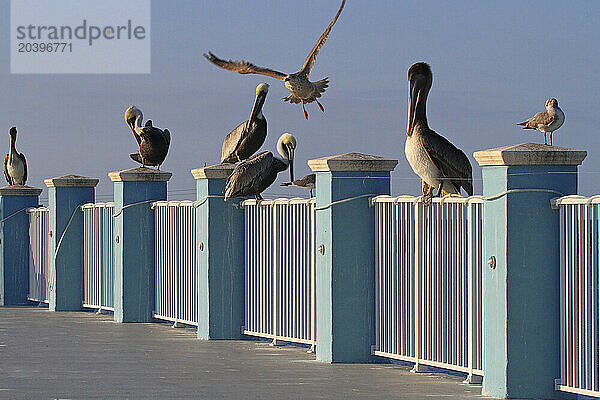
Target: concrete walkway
79,355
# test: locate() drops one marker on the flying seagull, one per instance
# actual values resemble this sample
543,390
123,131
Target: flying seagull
301,89
154,143
252,176
438,162
245,140
15,164
546,121
308,182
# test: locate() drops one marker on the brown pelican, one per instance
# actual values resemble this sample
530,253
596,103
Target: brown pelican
546,121
308,182
252,176
301,89
154,143
438,162
15,164
247,138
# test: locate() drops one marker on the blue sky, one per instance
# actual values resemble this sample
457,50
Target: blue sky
494,64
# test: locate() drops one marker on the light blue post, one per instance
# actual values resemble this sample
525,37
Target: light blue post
345,273
220,256
66,195
14,242
134,191
521,293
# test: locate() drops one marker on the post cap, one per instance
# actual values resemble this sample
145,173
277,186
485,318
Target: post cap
140,174
219,171
352,162
20,190
530,154
71,181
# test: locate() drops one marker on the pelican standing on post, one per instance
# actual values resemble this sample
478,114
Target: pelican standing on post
438,162
252,176
154,143
301,89
15,164
308,182
247,138
546,121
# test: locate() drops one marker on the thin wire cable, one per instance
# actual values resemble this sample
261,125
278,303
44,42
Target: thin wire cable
132,205
15,213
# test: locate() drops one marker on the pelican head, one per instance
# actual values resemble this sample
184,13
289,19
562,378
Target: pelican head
285,147
551,103
132,114
13,132
420,79
259,101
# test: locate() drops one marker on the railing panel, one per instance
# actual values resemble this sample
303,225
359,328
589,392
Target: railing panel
428,269
579,295
38,254
176,290
98,256
279,269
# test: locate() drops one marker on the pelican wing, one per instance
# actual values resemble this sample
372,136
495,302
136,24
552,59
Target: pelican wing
167,136
312,56
450,160
541,118
24,168
6,175
232,142
243,67
248,174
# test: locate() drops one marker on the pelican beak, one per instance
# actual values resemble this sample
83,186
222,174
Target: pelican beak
259,101
413,100
290,150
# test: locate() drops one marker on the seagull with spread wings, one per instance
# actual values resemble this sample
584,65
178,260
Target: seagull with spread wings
301,89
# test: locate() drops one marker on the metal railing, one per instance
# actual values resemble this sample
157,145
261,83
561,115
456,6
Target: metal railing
280,269
428,273
38,254
579,295
98,256
176,295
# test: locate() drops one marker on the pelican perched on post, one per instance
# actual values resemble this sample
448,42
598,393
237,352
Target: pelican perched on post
154,143
301,89
546,121
247,138
308,182
15,164
438,162
252,176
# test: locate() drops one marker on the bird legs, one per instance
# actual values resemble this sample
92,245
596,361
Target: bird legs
320,105
258,197
304,109
427,192
545,139
550,138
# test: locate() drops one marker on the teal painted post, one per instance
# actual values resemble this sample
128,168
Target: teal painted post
521,307
14,242
345,272
134,233
66,195
220,256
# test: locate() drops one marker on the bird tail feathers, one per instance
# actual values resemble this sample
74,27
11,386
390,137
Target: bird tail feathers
136,157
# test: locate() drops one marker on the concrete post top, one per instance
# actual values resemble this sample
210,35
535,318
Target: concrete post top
19,190
352,162
530,154
140,174
219,171
71,181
